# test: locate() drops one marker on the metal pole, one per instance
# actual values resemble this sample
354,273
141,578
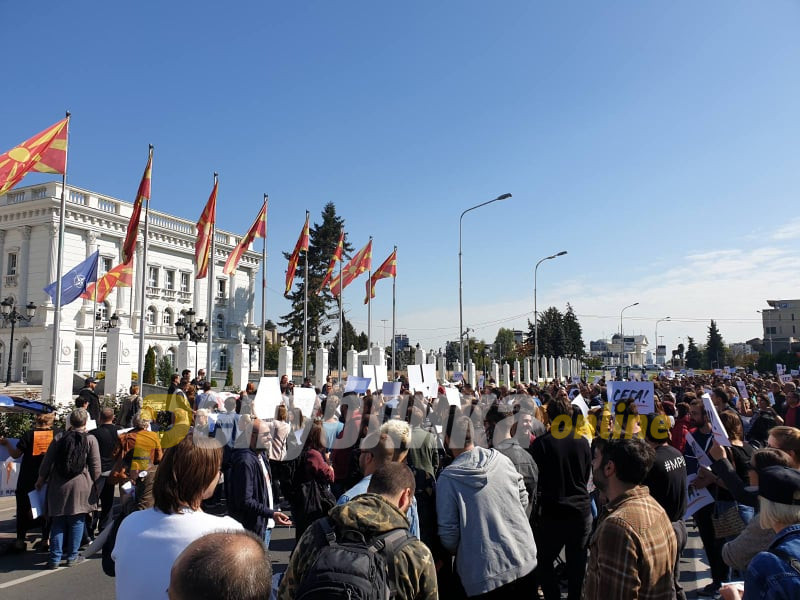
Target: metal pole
11,347
369,318
535,308
341,322
143,289
394,316
211,284
621,334
656,340
54,358
305,320
263,291
94,330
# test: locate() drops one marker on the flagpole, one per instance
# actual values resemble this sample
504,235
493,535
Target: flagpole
394,314
263,331
143,292
94,328
369,310
305,314
211,285
341,321
59,274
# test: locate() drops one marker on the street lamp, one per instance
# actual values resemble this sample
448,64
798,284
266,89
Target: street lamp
622,335
112,323
10,315
656,342
460,287
535,310
188,327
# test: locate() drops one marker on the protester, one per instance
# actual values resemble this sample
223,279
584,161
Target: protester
131,407
88,399
31,447
247,572
244,404
379,512
149,541
480,502
311,481
146,445
791,410
763,420
331,425
70,468
108,442
225,428
633,549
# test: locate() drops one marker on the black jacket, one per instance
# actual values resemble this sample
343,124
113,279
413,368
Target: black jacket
92,400
246,490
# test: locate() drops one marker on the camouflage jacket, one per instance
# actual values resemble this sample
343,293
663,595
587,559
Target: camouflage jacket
371,515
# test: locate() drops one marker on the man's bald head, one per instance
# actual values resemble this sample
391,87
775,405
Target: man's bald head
226,565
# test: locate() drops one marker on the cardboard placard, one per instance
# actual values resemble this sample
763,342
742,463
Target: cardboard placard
391,388
41,442
698,498
304,399
641,392
359,385
422,378
268,398
377,375
702,458
717,428
786,378
38,498
581,404
742,390
453,396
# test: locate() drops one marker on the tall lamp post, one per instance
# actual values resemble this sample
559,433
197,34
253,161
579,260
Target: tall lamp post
195,331
10,315
112,323
656,342
535,309
460,286
622,335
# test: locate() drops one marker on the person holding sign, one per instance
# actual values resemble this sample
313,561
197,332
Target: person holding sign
31,447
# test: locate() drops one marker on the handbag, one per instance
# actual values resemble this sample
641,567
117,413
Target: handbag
727,523
317,499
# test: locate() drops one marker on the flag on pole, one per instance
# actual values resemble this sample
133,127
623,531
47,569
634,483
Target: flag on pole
129,246
46,152
75,282
337,256
202,248
301,246
360,263
121,275
387,269
257,230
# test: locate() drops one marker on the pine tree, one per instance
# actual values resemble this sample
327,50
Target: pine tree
503,343
164,370
323,239
715,348
552,341
693,356
149,375
229,377
573,334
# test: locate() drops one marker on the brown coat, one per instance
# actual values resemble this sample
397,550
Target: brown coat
71,496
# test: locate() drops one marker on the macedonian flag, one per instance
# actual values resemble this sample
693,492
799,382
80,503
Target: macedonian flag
205,227
300,246
257,230
143,193
360,263
45,152
119,275
387,269
337,256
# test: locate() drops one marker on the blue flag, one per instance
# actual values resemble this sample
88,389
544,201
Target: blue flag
74,283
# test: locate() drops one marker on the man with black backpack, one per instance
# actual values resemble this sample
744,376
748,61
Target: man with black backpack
362,550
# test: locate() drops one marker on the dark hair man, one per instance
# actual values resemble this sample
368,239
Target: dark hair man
88,399
633,549
108,440
246,572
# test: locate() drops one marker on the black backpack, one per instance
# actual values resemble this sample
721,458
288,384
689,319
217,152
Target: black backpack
353,567
70,459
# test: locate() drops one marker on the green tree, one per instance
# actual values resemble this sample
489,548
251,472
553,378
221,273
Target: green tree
164,370
551,333
323,239
349,338
150,366
693,356
229,376
715,348
270,356
503,343
573,334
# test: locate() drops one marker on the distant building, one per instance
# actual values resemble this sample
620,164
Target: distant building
781,323
741,349
596,346
519,336
401,341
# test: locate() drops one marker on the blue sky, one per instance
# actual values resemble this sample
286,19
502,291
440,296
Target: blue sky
656,142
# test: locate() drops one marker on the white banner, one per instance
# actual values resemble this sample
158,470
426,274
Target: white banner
268,397
641,392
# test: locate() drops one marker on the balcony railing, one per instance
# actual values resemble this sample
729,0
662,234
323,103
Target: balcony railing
184,296
153,291
10,281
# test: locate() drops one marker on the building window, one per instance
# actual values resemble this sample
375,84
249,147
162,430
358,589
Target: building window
185,282
150,317
221,288
169,281
772,330
76,359
167,318
11,264
106,264
26,361
102,311
103,357
223,359
219,325
152,277
171,353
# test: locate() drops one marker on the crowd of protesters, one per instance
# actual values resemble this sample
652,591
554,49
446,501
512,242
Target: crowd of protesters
508,490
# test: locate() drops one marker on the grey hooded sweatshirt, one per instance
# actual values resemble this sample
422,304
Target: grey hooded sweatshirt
480,501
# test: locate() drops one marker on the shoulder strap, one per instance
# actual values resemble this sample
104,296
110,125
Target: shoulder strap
786,557
328,531
389,544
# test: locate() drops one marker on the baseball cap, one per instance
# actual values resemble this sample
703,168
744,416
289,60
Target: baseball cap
779,484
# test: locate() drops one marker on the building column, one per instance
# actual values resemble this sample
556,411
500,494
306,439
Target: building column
241,365
230,314
138,300
119,354
321,367
285,361
23,266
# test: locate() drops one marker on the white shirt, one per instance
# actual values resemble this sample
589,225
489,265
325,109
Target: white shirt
270,522
148,542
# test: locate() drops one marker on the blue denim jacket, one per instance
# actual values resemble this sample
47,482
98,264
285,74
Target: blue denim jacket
771,578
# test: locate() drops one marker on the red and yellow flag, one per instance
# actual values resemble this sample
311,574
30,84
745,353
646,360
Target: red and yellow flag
202,248
301,246
257,230
360,263
143,193
45,152
387,269
119,275
337,256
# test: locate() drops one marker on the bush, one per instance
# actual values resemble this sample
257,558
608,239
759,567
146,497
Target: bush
13,425
150,366
213,383
164,371
229,377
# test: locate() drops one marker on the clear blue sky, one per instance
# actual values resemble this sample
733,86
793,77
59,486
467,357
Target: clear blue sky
656,142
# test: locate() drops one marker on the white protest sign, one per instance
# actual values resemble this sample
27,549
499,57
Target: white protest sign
377,375
304,399
422,378
786,378
771,397
453,396
9,475
718,372
596,379
581,404
726,370
669,374
576,379
391,388
698,498
697,451
794,372
742,389
690,372
38,498
641,392
717,428
359,385
637,376
268,398
458,376
780,369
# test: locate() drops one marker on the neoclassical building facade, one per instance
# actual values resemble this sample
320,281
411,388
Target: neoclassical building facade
29,218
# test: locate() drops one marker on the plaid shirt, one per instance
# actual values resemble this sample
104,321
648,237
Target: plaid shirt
632,552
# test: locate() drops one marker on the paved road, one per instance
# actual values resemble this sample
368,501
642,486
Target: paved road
23,576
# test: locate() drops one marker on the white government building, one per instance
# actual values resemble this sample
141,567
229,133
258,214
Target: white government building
29,218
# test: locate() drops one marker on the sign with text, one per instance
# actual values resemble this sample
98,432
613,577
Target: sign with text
742,390
786,378
640,392
422,378
391,388
268,398
717,428
698,498
697,451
